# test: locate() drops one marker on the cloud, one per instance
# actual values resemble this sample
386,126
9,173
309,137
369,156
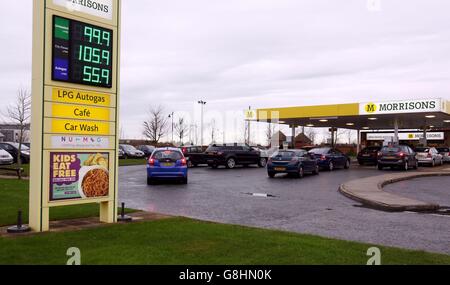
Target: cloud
262,53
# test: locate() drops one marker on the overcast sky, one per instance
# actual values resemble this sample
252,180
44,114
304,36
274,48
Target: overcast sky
263,53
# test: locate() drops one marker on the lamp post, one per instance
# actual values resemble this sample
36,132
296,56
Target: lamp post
202,103
171,117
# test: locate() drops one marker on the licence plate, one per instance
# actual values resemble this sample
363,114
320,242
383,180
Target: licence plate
390,157
280,169
167,164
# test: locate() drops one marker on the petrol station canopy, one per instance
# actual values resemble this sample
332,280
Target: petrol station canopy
406,114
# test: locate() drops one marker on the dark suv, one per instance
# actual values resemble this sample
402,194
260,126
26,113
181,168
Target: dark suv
401,156
369,155
194,155
232,155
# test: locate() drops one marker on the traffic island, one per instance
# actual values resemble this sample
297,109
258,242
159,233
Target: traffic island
369,191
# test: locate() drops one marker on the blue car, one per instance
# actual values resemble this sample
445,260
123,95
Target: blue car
167,164
293,162
330,158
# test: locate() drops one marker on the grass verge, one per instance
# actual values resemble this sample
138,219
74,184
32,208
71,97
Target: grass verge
14,196
132,161
180,241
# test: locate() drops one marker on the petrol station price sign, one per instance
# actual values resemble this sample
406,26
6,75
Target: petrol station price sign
82,53
74,107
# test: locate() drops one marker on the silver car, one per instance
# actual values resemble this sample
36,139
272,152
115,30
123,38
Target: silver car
445,152
429,155
5,158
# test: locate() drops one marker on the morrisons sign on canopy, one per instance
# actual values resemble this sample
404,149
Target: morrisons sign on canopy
413,106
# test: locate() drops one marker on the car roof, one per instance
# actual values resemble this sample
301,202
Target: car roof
167,148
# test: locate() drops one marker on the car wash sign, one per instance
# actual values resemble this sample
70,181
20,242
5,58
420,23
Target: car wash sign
396,107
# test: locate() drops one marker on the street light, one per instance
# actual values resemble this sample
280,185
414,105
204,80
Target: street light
171,117
202,103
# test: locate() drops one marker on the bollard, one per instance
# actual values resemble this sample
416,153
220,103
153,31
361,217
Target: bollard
19,228
122,217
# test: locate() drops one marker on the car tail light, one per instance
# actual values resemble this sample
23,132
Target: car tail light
323,157
401,154
183,162
151,162
429,155
184,150
379,154
219,153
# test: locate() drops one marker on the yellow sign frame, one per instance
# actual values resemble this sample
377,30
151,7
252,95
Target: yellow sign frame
48,111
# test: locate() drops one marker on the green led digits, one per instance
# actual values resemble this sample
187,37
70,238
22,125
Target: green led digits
93,55
97,36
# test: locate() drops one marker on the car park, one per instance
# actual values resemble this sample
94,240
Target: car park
131,152
401,156
13,149
292,162
232,155
167,164
146,149
369,155
194,155
330,158
429,156
445,152
5,158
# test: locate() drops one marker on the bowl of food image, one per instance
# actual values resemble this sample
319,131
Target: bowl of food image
94,182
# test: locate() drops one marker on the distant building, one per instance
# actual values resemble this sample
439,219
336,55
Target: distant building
302,140
11,133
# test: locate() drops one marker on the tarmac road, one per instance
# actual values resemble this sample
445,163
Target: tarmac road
310,205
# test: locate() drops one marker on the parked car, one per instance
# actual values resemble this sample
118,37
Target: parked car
167,164
429,155
194,155
232,155
131,152
121,154
401,156
445,152
13,149
369,155
146,149
5,158
294,162
330,158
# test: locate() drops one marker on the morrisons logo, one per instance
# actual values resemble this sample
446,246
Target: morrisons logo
92,5
371,108
408,106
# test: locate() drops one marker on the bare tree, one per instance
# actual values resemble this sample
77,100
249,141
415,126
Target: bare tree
181,128
270,131
311,134
156,125
19,113
213,130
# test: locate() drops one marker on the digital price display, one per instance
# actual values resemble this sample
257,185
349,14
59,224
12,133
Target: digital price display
82,53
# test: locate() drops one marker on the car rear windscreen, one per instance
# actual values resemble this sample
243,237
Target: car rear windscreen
422,149
284,155
214,148
167,155
391,149
320,150
443,149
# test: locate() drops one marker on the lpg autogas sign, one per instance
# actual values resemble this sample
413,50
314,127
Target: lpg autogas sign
395,107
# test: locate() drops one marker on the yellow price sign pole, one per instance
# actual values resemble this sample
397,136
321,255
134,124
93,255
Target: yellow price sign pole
74,108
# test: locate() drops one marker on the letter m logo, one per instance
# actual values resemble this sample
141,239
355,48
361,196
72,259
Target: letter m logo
371,108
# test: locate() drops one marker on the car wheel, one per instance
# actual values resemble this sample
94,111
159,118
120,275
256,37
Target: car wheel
214,166
150,181
262,162
331,166
316,170
380,167
406,166
231,163
185,180
301,172
347,164
271,174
